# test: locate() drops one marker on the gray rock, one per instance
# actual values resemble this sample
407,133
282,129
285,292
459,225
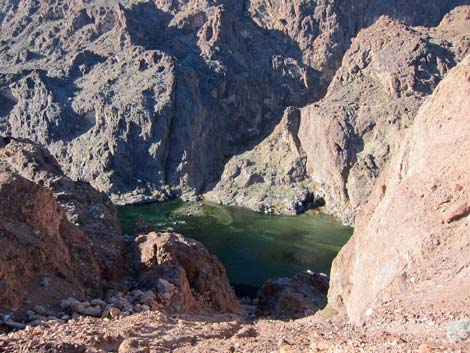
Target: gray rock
40,310
98,302
458,331
293,297
68,303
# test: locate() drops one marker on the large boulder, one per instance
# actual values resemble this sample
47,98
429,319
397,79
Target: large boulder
293,297
43,257
183,273
89,210
409,255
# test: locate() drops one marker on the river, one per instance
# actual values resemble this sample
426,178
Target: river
252,246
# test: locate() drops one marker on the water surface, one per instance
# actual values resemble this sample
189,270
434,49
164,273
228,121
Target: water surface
252,246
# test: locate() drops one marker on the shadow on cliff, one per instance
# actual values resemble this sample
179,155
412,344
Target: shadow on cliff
234,80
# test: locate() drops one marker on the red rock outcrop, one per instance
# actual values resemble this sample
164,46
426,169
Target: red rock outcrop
43,257
410,251
59,237
89,210
186,277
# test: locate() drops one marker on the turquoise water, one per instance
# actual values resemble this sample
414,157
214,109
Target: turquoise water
252,246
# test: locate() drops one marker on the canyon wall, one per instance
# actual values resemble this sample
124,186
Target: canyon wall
409,254
385,76
147,100
333,151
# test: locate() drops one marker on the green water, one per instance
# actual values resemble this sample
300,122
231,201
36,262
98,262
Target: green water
252,246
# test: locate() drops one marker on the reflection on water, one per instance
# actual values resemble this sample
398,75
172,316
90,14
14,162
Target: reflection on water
252,246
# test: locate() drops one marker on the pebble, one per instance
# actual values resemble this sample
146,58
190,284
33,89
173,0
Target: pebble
134,345
114,312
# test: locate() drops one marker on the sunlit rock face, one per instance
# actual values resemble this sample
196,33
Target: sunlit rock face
409,252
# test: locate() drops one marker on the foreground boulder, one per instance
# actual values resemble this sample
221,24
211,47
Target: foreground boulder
59,237
410,249
183,273
294,297
89,210
43,256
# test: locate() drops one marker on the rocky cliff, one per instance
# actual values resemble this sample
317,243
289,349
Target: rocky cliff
409,254
332,151
150,99
271,177
390,68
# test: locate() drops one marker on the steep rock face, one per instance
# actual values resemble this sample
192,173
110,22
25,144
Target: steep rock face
44,257
348,136
184,274
149,99
323,29
88,210
268,178
410,248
